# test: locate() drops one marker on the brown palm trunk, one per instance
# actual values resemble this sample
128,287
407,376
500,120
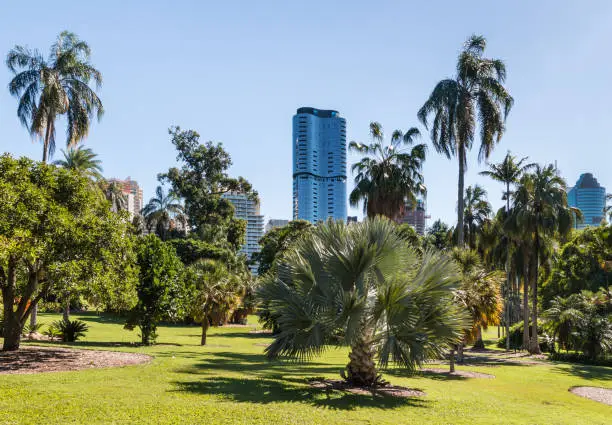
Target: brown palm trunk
205,327
11,329
452,360
460,186
361,370
526,305
534,346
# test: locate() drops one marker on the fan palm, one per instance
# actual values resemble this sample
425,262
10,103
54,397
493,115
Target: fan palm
541,211
476,93
477,212
365,287
81,160
564,314
53,87
389,176
161,210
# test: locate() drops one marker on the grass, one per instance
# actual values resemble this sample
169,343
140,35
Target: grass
230,382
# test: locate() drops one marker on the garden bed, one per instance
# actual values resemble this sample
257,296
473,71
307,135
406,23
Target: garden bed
388,390
602,395
35,359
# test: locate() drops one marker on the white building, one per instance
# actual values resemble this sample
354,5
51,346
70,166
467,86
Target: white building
275,222
248,209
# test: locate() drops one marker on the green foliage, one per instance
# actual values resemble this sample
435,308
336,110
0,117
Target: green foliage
68,330
516,335
388,176
201,181
410,235
362,285
438,236
81,160
54,87
162,212
160,288
28,328
477,212
191,250
277,241
583,263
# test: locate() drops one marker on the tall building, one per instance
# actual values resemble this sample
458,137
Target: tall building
590,198
416,217
130,188
319,165
248,209
275,222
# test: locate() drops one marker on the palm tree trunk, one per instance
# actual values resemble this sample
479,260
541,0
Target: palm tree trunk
205,326
526,304
460,188
361,370
534,347
47,141
66,315
508,275
452,360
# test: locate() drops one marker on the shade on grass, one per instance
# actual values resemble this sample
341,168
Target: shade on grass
230,381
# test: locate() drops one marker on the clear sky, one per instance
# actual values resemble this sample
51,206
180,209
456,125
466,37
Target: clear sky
236,71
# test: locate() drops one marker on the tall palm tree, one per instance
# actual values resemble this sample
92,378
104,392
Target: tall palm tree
477,212
53,87
476,93
508,172
82,160
363,286
114,193
161,210
389,176
540,212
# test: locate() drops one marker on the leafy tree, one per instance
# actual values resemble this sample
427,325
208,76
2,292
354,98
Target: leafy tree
81,160
410,235
54,224
277,241
362,285
201,181
54,87
477,213
388,176
476,93
161,211
438,236
160,286
540,212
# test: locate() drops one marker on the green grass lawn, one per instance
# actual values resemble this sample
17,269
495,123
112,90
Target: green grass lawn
230,381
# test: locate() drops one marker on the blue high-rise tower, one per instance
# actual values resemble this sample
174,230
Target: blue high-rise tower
590,198
319,165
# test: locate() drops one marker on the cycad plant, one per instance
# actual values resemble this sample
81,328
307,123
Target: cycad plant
389,176
363,286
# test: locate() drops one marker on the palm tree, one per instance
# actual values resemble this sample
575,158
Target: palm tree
608,208
476,93
81,160
56,86
564,314
363,286
389,176
540,212
115,195
161,210
477,212
508,172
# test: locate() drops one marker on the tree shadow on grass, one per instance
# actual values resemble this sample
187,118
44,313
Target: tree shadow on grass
585,371
100,344
399,373
264,391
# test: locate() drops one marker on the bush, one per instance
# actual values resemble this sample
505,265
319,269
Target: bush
70,330
28,329
580,358
52,332
516,337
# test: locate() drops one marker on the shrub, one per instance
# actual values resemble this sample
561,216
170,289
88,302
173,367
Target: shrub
580,358
516,337
70,330
28,329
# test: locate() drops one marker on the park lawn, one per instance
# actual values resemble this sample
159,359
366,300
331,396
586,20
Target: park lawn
231,382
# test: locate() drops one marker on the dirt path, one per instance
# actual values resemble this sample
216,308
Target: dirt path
35,359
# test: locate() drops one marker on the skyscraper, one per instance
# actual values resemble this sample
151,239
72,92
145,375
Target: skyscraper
133,192
590,198
247,209
319,165
416,217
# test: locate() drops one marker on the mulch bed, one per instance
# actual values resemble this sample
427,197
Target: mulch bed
462,373
34,359
261,332
602,395
389,390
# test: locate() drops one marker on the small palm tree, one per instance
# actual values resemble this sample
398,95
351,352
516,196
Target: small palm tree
81,160
161,210
363,286
475,94
564,315
54,87
540,212
114,194
477,212
388,176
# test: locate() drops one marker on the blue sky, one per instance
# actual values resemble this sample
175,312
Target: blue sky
236,72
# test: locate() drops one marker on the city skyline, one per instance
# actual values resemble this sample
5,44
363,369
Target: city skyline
209,94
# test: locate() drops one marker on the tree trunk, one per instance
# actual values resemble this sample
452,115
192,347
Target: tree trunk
12,328
534,346
46,141
460,206
460,352
34,315
508,275
526,305
66,314
479,343
361,369
205,327
452,360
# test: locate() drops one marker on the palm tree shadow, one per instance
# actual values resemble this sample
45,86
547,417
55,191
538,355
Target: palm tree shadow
587,371
265,391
